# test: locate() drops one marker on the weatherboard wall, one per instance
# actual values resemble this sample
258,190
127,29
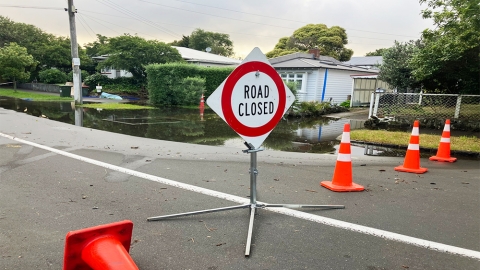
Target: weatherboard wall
338,86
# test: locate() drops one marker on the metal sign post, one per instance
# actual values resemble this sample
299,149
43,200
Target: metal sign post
252,100
253,205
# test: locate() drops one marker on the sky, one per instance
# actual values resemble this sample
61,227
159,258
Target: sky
370,24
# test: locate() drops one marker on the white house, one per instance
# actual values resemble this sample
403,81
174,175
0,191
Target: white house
189,55
318,78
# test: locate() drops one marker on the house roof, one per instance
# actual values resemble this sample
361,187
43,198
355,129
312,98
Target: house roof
307,61
364,61
191,55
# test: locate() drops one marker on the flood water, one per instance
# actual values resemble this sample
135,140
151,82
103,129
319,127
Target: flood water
307,135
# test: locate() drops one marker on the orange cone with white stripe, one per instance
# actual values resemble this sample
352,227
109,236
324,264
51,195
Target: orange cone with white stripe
412,158
443,152
202,102
342,175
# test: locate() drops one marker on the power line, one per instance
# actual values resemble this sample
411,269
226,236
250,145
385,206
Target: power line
97,20
193,27
137,17
82,21
32,7
216,15
259,16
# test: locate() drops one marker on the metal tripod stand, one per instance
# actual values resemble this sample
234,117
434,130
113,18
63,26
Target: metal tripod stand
253,205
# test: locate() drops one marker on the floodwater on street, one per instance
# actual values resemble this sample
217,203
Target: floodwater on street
308,135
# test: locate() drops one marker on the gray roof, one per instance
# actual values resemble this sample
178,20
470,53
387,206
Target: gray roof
307,61
364,61
192,55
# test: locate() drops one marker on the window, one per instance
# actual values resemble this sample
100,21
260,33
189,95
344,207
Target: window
106,70
297,78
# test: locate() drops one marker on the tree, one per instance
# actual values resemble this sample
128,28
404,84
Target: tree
449,61
133,53
330,41
56,53
218,42
15,63
48,50
98,47
184,42
377,52
395,69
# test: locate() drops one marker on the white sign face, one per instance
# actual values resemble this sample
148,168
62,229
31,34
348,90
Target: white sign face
253,99
76,61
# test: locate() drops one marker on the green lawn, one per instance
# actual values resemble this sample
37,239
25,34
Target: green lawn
460,143
34,96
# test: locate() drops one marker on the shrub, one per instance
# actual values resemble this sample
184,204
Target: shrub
190,90
293,87
315,108
345,104
52,76
164,80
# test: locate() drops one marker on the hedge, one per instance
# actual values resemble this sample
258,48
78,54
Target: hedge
163,81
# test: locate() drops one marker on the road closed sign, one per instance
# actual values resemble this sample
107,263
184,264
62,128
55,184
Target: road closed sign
253,99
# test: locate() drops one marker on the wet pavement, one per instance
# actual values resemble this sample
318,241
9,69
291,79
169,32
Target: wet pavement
46,191
305,135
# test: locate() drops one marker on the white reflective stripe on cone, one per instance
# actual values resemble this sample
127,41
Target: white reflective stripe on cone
344,157
413,147
415,131
447,127
445,139
345,137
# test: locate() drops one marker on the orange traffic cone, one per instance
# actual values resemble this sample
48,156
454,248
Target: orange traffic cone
412,158
202,102
443,152
101,247
342,175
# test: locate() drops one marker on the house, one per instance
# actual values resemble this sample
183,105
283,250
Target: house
371,62
318,78
189,55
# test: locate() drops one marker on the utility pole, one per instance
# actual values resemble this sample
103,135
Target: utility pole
77,77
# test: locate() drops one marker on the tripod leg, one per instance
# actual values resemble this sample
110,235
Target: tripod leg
250,230
199,212
306,206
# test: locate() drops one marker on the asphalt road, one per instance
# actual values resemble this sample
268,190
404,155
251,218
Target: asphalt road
45,194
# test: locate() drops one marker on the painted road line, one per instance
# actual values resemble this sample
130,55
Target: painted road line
293,213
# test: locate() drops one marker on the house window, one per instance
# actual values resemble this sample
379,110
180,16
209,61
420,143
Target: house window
297,78
106,70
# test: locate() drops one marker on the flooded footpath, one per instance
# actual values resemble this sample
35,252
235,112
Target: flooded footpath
305,135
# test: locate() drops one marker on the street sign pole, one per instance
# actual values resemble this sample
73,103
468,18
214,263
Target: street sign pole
253,131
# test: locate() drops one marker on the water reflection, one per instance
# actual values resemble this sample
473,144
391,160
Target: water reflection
189,125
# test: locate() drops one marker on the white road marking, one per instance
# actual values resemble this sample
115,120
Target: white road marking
298,214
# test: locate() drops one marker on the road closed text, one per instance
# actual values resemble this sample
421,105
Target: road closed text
256,101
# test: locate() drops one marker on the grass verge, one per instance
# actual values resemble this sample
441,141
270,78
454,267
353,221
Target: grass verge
39,97
457,143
